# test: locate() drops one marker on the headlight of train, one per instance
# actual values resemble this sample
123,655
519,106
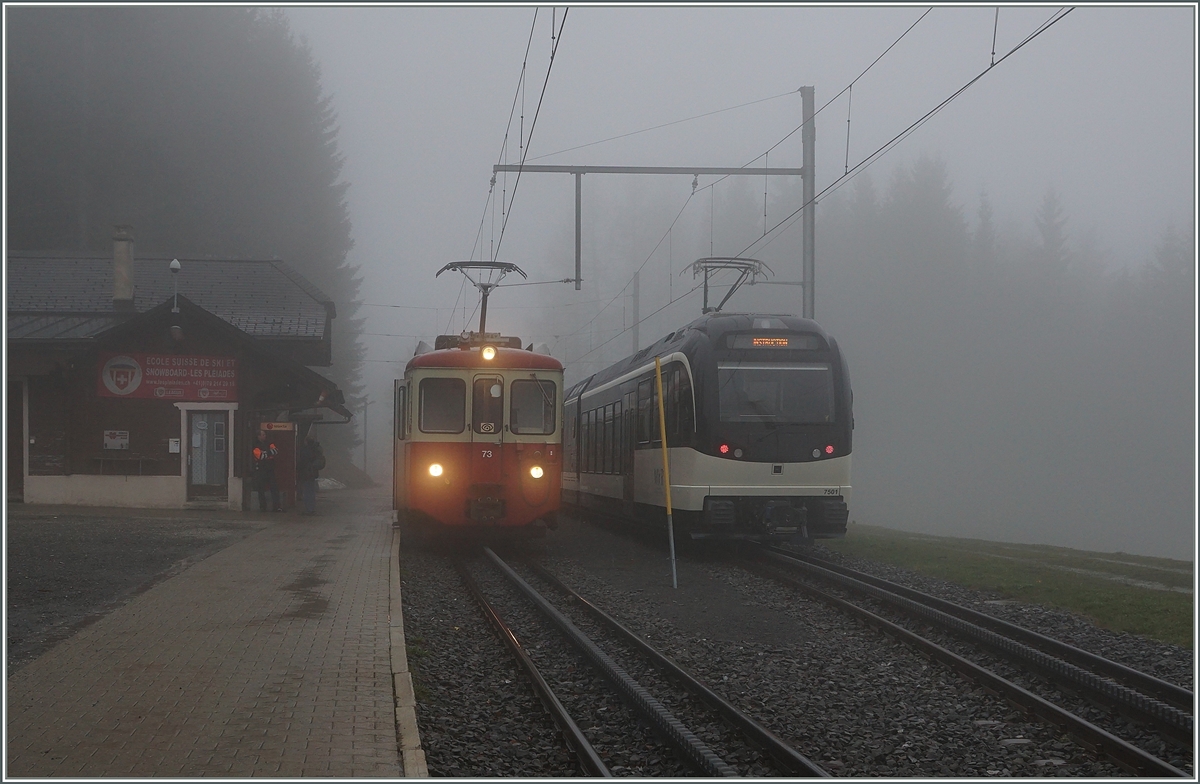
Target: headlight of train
536,472
489,353
435,469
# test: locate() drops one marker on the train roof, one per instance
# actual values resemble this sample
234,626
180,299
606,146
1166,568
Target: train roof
711,327
505,359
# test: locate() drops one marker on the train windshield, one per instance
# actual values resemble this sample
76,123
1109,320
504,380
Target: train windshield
784,393
533,407
443,405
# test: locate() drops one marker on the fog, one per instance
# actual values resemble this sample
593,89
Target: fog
996,278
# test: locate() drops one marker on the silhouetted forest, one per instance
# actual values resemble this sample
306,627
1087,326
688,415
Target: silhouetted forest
1012,381
206,129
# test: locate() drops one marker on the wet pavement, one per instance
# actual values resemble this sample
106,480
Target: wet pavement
235,645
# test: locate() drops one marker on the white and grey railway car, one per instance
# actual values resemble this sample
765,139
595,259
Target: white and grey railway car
759,419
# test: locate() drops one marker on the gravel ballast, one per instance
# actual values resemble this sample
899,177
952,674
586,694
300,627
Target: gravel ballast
853,700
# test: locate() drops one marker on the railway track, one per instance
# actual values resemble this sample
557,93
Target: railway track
854,701
1149,701
708,735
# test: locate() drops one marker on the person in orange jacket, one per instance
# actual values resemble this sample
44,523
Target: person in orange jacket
264,454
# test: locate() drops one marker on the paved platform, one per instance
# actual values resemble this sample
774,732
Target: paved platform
279,656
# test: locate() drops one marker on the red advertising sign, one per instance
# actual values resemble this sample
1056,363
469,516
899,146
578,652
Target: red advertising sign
168,377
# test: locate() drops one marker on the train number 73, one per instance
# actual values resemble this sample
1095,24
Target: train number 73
486,452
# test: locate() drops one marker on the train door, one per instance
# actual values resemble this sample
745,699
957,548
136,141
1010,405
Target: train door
399,456
487,429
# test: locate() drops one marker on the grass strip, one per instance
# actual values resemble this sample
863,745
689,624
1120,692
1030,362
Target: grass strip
1116,591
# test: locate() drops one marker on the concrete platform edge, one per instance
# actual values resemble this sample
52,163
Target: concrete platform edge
406,703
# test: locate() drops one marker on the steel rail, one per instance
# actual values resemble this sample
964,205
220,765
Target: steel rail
791,760
1129,757
691,749
1175,723
1170,693
585,753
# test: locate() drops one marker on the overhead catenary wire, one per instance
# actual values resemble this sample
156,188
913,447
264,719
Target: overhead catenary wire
711,185
532,128
825,105
490,202
895,140
850,173
639,321
639,269
666,125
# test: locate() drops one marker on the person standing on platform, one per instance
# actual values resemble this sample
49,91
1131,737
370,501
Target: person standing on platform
264,454
310,459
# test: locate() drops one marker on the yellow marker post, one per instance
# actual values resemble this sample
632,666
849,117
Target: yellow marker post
662,432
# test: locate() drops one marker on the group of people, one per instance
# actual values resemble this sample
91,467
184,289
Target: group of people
310,459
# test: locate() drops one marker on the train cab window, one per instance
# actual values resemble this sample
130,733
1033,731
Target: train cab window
487,405
793,393
532,407
443,405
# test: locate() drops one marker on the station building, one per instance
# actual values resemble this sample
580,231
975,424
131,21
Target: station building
132,385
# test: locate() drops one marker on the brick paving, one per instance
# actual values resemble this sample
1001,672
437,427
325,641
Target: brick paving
270,658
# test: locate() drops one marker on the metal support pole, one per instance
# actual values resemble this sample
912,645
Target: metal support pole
578,226
637,285
662,433
808,178
366,405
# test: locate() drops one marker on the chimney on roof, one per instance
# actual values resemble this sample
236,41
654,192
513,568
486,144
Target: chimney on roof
123,268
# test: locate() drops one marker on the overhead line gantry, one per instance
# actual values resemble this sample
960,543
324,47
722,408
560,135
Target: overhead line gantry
806,173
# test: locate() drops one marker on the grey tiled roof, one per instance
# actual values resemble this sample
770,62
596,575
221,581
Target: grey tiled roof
54,296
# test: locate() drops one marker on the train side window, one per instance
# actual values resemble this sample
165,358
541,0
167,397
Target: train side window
443,405
609,441
645,419
618,430
593,437
583,442
630,436
671,400
401,411
605,461
487,405
532,408
597,450
687,415
588,439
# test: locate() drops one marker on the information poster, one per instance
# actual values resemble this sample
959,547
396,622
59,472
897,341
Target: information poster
178,377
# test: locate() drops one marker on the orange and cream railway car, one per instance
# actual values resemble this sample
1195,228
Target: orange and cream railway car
478,441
